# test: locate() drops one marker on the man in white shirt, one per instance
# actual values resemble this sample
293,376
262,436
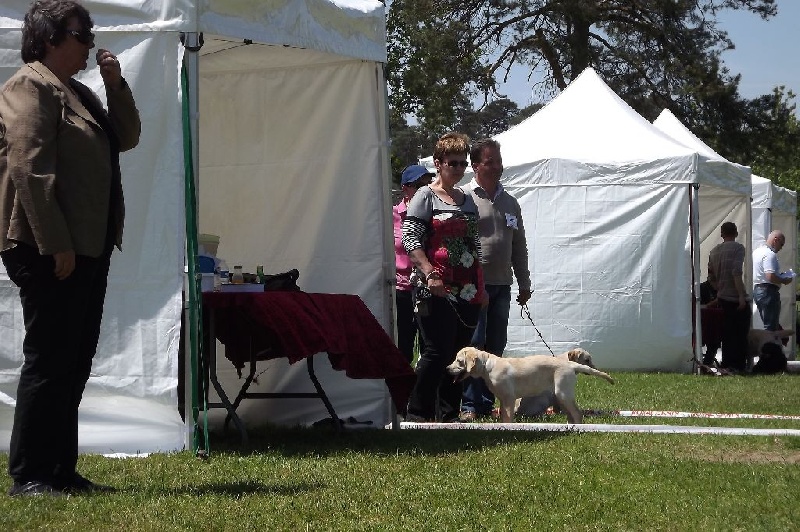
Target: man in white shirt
767,280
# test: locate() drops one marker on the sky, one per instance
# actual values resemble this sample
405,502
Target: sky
767,53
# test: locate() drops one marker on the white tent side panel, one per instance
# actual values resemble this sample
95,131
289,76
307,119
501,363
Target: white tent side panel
293,179
130,403
611,273
785,219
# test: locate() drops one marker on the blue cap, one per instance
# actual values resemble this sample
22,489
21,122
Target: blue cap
414,172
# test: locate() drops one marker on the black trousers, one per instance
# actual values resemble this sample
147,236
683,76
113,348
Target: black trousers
62,327
735,327
406,323
444,330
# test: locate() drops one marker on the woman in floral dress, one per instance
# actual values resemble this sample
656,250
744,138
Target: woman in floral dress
441,237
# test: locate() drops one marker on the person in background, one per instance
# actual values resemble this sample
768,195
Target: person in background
725,265
767,280
61,214
440,235
503,249
413,177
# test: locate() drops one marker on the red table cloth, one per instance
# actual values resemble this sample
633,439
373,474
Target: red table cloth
297,325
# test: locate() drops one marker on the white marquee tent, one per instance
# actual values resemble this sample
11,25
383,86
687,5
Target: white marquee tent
288,104
607,200
775,207
606,204
727,200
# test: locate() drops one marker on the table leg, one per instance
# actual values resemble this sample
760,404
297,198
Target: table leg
321,392
212,374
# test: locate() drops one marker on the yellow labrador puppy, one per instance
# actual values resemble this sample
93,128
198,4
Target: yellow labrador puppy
537,405
512,378
581,356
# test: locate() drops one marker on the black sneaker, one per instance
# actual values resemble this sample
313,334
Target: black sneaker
80,484
33,488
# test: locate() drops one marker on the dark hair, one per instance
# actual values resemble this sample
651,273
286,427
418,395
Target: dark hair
46,22
729,229
476,152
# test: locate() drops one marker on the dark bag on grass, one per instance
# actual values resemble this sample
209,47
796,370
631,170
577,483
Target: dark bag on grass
286,281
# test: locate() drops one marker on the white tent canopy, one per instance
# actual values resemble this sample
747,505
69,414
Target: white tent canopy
775,207
293,173
725,190
605,198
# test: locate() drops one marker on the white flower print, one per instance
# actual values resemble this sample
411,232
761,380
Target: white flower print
467,259
468,291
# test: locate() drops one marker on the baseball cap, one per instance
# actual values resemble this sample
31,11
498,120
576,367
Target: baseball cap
414,172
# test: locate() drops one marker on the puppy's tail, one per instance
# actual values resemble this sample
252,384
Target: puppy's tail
586,370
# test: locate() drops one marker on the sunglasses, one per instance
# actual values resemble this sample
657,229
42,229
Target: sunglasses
456,164
83,36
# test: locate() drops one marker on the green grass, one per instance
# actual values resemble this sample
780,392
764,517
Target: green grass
314,479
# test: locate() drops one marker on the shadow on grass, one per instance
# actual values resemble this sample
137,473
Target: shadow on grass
301,441
245,487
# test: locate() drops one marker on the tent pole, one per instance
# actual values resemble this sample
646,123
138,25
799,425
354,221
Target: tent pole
193,308
694,193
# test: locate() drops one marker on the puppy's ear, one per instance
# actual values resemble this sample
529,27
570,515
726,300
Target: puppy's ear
471,361
573,355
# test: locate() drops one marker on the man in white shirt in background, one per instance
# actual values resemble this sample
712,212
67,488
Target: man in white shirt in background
767,280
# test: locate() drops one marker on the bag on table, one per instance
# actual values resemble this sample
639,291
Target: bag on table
286,281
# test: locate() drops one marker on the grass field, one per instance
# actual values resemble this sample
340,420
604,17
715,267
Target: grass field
314,479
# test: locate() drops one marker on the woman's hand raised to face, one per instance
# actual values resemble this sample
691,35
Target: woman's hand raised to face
110,70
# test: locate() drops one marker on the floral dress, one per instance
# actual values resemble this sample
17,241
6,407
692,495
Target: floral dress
451,243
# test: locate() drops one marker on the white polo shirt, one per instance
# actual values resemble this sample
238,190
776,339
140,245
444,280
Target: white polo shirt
764,261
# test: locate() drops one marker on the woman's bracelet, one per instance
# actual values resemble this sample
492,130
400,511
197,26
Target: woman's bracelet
432,274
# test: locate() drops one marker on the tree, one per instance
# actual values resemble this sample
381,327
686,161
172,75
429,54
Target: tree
654,53
494,118
769,140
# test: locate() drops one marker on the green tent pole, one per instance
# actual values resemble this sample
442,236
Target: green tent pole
194,303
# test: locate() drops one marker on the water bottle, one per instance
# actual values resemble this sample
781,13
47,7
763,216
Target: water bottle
224,272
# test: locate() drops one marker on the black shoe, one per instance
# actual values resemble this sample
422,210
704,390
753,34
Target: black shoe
32,489
77,483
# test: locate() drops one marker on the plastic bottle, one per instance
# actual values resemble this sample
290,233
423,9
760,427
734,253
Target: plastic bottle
217,281
260,273
224,272
238,276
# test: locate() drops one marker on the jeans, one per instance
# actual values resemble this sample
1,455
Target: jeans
491,335
768,300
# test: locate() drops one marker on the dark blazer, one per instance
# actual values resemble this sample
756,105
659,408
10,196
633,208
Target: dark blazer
59,164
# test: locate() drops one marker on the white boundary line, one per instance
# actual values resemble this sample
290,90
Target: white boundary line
588,427
677,414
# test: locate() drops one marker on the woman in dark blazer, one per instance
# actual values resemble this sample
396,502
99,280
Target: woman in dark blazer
61,214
